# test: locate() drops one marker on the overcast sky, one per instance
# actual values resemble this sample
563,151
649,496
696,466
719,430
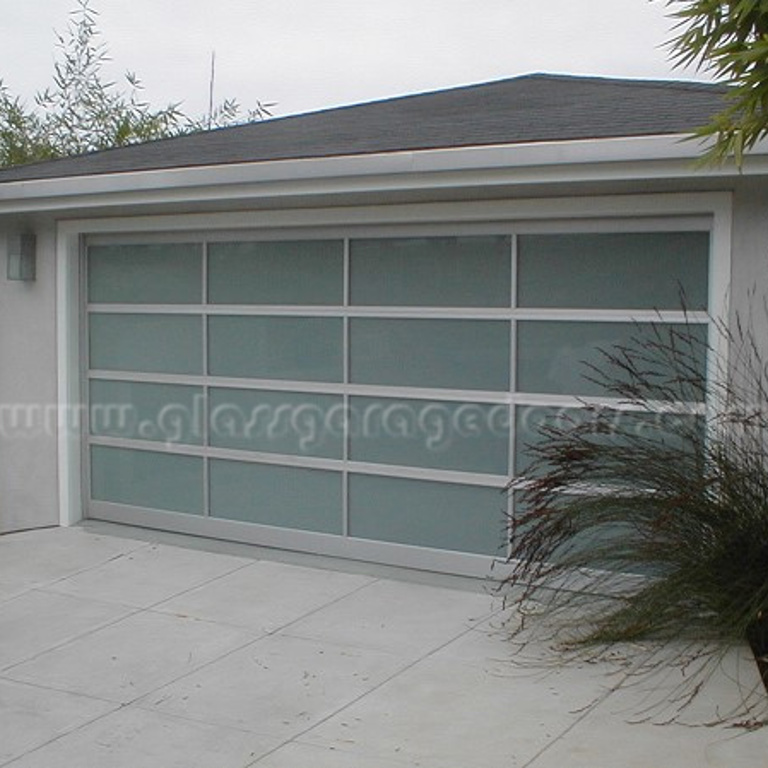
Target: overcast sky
310,54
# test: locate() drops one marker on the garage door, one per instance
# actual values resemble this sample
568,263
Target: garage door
367,395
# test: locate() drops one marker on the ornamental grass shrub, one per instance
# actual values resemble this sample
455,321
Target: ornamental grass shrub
648,519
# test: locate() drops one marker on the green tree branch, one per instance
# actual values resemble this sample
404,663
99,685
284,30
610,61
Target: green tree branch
83,112
728,40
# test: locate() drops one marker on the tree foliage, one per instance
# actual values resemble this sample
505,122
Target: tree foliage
728,40
82,111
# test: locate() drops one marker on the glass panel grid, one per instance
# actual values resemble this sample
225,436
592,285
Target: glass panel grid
452,354
430,271
271,421
626,271
423,513
289,272
147,479
567,357
168,273
287,497
142,343
165,413
283,348
461,436
678,431
498,376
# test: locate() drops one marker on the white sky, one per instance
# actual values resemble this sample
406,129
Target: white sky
309,54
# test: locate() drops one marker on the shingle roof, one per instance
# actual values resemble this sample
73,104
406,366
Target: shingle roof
530,108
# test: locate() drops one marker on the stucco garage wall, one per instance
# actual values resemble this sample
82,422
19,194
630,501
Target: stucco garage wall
749,271
28,442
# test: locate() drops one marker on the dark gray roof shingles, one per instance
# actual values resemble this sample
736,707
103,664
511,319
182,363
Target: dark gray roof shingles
530,108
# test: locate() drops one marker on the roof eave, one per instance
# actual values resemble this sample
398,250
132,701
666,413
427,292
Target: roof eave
611,159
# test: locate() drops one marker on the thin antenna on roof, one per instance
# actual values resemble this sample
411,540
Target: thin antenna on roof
210,89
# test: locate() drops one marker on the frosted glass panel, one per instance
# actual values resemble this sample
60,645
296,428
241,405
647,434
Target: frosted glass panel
671,430
140,411
645,270
450,354
147,479
469,437
163,273
431,272
288,272
596,538
277,422
148,343
288,497
298,348
440,515
553,355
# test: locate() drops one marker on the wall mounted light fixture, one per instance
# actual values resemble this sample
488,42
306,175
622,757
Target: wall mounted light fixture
21,257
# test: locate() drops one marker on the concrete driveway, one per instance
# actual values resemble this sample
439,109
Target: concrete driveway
122,648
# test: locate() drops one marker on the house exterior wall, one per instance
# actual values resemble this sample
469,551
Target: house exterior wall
650,210
28,432
30,373
749,275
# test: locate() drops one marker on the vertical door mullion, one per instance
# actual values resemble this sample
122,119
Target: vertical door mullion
84,368
204,411
345,396
512,383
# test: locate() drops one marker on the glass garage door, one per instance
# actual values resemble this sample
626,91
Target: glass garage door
355,395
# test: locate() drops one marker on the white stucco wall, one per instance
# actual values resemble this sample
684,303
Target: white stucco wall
28,441
29,484
749,270
750,245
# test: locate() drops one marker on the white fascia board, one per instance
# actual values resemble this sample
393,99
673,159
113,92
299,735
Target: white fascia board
634,158
615,207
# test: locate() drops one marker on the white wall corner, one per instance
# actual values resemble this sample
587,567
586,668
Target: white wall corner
68,377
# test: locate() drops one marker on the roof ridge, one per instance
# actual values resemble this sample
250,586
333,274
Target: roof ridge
624,80
608,79
511,110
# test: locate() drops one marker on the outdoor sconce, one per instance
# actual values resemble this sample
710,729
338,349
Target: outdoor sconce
21,257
